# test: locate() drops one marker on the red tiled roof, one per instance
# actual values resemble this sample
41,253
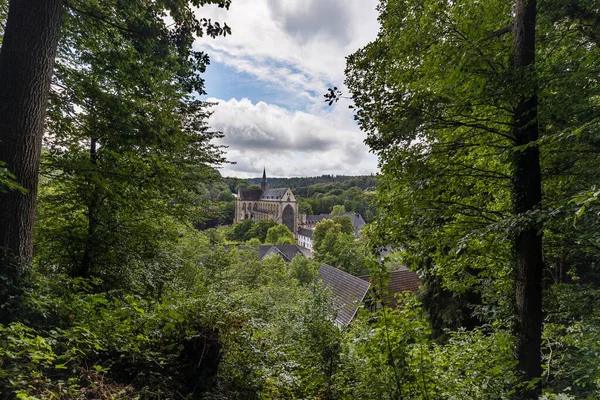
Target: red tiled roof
400,281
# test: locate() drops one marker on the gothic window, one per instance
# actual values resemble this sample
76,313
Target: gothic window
288,217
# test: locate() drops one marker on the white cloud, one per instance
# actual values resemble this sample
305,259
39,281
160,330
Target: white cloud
311,36
298,47
289,143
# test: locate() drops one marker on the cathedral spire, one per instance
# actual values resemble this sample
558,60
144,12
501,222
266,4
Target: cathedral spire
263,184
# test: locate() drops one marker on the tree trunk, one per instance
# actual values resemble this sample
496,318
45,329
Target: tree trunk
26,64
527,197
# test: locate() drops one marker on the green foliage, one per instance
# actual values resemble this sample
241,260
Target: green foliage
254,242
3,15
303,270
335,244
571,341
321,183
322,228
436,93
304,207
261,228
7,180
225,196
280,234
129,147
240,232
345,223
338,209
230,326
247,230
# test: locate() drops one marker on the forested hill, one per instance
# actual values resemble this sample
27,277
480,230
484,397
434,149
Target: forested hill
365,182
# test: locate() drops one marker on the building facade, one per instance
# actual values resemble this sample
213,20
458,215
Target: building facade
278,204
305,238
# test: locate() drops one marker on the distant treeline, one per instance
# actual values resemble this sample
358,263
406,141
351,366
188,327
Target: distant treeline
365,182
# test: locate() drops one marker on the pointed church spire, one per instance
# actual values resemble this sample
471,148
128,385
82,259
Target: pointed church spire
263,184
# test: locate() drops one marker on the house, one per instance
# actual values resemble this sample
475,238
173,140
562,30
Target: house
285,251
348,292
400,281
305,238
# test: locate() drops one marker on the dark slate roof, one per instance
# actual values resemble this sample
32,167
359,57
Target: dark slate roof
348,291
400,281
273,194
286,251
257,194
357,222
263,250
313,219
305,232
251,194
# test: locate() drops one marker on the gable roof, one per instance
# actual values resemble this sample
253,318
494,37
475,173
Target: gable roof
305,232
348,292
251,194
257,194
400,281
273,194
286,251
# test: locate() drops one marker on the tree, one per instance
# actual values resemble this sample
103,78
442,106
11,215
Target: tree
26,63
240,232
345,223
27,59
338,209
304,207
448,95
261,228
321,230
527,197
280,234
124,159
303,269
334,244
225,196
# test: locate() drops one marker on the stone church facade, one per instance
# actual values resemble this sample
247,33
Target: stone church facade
278,204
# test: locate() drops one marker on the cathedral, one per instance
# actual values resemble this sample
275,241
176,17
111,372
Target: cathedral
278,204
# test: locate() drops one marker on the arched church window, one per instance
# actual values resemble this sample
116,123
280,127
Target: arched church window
288,217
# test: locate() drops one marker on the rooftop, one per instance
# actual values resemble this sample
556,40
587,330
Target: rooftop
348,292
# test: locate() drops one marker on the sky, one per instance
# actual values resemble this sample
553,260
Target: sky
269,78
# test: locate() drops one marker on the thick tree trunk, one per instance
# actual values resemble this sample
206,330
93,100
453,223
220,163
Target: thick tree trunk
26,64
527,197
